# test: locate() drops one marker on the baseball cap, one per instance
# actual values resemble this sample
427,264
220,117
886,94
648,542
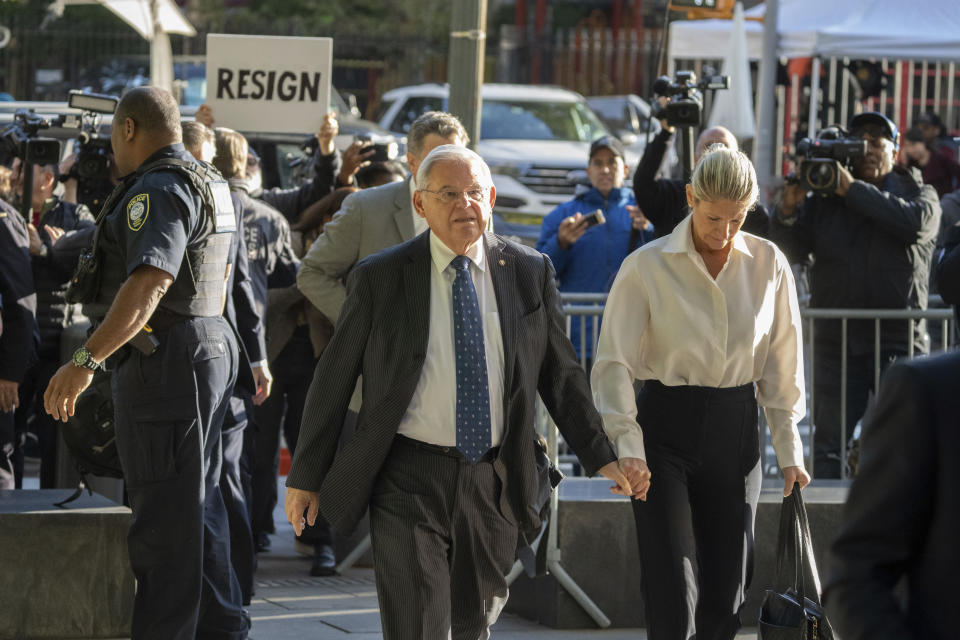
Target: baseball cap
929,117
608,142
887,128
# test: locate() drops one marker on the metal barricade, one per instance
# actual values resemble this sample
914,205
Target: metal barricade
589,308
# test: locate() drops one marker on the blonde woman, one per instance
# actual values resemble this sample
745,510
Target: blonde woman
707,317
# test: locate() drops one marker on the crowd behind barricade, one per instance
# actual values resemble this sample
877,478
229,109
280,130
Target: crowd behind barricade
258,309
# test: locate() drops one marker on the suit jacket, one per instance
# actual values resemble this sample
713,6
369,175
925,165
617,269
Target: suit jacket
902,517
369,221
383,333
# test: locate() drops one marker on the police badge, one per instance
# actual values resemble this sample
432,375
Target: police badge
137,211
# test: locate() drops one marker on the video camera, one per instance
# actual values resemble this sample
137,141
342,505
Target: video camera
92,148
685,107
21,138
823,156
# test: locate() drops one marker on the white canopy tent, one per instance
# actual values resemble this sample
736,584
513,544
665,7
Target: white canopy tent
926,30
155,20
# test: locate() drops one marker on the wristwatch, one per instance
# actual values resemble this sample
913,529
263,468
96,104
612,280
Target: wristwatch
83,359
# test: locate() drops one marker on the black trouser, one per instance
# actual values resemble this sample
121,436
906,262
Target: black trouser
169,407
235,489
7,449
32,388
292,374
441,547
695,529
827,436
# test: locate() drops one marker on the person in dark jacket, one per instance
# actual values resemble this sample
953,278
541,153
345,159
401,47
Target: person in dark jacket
664,201
901,523
18,305
938,166
585,253
870,244
50,216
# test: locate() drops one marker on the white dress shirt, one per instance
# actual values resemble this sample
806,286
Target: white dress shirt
667,319
431,416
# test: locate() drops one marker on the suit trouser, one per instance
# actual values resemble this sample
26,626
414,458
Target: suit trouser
828,438
235,490
695,529
441,547
169,407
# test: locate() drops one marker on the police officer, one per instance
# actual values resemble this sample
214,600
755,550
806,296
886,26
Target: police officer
161,253
18,306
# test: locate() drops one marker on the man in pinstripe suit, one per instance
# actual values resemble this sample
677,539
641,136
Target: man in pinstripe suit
454,332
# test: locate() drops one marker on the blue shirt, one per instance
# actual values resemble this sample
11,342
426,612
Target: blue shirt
591,263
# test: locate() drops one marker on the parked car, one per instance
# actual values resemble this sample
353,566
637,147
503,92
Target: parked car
536,140
628,116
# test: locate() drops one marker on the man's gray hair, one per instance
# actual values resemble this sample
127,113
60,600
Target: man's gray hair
453,153
725,174
439,123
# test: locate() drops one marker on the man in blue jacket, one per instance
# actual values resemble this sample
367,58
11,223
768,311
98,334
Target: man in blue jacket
587,249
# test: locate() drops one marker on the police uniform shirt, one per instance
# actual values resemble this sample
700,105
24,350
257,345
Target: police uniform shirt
152,224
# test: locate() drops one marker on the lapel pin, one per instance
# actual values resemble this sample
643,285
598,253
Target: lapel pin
503,262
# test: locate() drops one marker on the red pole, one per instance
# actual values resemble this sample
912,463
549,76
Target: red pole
539,21
520,15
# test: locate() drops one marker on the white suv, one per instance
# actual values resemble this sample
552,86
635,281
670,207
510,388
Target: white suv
536,140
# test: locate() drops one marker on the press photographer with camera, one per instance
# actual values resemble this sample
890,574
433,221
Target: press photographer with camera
866,229
679,105
50,216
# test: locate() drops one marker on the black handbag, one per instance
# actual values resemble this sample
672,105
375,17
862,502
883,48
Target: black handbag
792,611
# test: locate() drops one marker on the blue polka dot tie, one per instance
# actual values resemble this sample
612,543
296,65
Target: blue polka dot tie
473,390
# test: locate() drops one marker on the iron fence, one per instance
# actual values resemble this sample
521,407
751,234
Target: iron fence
588,307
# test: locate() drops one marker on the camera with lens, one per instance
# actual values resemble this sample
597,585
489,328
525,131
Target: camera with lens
92,148
685,93
819,171
21,139
384,148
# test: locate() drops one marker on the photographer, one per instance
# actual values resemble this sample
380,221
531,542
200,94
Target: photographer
664,201
49,216
870,243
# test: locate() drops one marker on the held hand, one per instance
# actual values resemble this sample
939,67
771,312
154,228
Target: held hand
792,475
663,100
298,501
66,165
638,473
204,115
570,230
65,386
55,233
264,381
844,180
640,222
611,471
354,158
328,131
9,396
35,242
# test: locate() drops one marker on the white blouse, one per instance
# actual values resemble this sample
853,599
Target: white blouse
667,319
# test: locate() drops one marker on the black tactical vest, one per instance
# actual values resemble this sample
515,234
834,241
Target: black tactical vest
198,290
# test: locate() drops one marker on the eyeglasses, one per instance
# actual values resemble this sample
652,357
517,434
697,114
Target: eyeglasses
449,196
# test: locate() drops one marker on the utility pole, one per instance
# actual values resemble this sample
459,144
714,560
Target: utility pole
468,39
766,126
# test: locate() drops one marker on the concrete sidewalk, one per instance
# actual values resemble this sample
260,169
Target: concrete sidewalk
291,605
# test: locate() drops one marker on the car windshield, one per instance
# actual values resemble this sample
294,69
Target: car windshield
517,120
